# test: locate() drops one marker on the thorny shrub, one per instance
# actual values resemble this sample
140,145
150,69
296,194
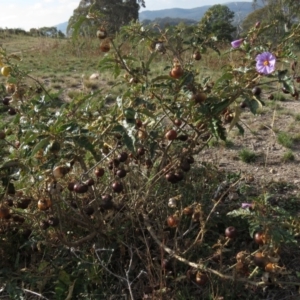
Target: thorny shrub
106,195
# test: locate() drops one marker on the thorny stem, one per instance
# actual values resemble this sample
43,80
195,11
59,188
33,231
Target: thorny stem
78,242
125,279
99,162
202,266
202,231
41,85
34,293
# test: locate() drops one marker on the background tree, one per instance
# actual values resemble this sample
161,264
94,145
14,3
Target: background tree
265,16
287,12
218,21
167,21
114,13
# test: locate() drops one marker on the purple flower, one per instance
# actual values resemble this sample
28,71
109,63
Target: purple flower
265,63
237,43
246,205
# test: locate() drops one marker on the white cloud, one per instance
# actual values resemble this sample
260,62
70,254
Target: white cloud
33,14
28,14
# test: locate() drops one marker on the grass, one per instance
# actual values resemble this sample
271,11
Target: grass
285,139
297,117
288,156
219,143
247,156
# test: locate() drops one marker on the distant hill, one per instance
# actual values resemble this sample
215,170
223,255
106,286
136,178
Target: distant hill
241,10
62,27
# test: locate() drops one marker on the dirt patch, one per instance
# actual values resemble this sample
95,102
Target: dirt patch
261,138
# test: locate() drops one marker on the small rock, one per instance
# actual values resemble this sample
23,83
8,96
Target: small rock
233,196
272,171
94,76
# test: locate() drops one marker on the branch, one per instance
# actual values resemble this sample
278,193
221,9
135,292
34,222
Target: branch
192,264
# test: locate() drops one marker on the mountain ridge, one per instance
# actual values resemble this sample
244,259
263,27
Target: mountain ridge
241,10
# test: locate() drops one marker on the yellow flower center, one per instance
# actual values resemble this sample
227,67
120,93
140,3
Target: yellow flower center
266,63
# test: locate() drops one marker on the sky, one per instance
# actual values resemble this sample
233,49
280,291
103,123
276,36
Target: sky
28,14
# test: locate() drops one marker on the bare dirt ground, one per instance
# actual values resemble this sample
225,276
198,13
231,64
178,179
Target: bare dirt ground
260,137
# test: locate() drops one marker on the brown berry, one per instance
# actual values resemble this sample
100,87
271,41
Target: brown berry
185,166
177,122
171,135
80,188
270,267
89,210
105,45
183,137
6,100
172,221
201,278
199,97
179,175
99,172
117,187
256,91
176,72
44,224
44,204
53,221
259,238
12,111
71,186
231,232
23,203
90,182
106,202
171,177
260,260
141,151
197,55
121,173
4,212
188,211
122,157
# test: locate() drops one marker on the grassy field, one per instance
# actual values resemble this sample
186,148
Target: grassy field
259,167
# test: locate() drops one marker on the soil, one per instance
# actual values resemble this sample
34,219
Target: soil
260,137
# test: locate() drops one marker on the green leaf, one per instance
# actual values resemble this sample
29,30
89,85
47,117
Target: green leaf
236,118
254,104
225,78
84,143
77,25
240,128
70,292
128,133
162,77
42,265
216,109
217,129
117,71
129,141
286,81
64,277
42,144
240,212
152,56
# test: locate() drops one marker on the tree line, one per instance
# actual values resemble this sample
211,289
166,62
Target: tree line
217,21
43,32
